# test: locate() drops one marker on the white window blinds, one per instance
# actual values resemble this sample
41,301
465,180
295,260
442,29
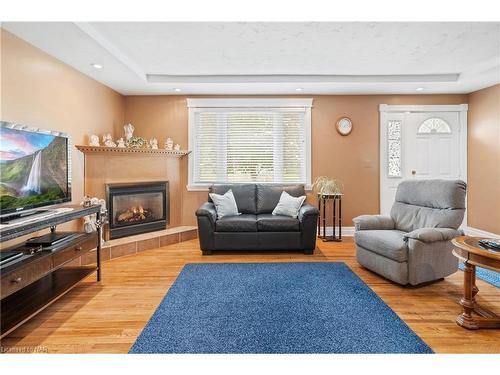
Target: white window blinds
236,144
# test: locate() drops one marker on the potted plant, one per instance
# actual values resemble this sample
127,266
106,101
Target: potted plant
325,185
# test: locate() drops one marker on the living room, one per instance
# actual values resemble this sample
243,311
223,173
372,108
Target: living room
250,187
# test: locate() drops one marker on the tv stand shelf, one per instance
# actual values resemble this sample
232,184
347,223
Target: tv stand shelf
29,301
40,277
10,232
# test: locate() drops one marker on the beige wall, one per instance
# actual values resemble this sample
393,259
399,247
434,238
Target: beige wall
41,91
484,159
353,159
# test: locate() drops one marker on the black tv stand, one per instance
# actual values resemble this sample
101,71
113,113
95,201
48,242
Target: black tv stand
39,277
51,240
10,219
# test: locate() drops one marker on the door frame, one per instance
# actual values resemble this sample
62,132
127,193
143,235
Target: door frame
386,109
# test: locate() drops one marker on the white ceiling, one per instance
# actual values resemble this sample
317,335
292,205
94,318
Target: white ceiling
275,58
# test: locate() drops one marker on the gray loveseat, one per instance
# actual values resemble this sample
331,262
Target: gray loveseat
256,228
413,244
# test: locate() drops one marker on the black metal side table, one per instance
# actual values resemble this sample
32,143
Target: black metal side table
336,216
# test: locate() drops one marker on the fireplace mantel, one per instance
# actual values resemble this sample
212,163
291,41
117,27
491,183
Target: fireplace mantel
110,165
128,151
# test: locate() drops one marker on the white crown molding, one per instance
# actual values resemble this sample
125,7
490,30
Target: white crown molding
250,103
480,233
423,108
111,48
301,78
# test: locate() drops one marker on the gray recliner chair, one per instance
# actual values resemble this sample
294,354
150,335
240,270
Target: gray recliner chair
413,244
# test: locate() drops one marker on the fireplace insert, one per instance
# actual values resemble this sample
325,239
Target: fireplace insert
138,207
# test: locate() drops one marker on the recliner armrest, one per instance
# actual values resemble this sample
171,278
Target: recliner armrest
207,209
308,210
433,234
373,222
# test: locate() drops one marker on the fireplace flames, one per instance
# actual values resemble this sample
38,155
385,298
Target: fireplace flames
133,214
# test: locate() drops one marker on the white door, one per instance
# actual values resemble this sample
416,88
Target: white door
432,145
426,144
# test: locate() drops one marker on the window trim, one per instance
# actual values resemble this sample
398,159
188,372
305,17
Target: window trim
196,104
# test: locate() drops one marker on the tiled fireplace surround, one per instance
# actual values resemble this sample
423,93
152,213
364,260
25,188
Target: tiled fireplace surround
103,168
135,244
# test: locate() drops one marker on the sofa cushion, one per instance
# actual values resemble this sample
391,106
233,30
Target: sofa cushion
244,194
388,243
240,223
277,223
442,194
429,204
408,217
268,196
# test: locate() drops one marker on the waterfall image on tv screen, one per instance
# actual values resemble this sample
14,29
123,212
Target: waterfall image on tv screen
33,168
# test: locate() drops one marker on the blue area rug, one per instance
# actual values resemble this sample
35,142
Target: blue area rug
274,308
491,277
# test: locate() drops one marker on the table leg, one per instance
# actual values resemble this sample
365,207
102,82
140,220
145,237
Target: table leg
334,217
319,218
340,218
324,219
98,250
467,302
475,289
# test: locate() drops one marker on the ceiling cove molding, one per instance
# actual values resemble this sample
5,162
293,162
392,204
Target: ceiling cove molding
249,102
423,108
111,48
301,78
482,67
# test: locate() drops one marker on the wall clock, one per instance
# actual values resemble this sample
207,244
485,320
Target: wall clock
344,126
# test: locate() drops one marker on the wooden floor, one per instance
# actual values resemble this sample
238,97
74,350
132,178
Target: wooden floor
107,317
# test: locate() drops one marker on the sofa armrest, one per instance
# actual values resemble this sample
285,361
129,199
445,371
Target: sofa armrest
373,222
308,217
206,216
308,210
207,209
433,234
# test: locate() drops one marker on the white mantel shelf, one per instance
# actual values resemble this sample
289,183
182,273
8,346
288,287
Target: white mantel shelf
128,151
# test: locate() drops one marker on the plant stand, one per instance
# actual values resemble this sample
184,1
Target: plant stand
336,216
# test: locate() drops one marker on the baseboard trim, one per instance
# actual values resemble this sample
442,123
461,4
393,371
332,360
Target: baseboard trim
479,233
346,231
349,232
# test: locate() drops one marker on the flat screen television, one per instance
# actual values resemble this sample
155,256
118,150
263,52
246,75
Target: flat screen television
34,169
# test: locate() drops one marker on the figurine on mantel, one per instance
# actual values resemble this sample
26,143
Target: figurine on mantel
108,140
129,131
177,147
153,143
169,144
121,143
137,142
94,140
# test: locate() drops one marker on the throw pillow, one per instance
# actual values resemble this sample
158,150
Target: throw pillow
225,205
288,205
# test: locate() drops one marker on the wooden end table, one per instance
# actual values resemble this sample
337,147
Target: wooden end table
468,249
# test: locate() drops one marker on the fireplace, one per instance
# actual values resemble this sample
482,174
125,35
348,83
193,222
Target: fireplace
137,207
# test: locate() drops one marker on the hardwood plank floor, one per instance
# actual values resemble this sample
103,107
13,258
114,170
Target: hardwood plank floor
107,317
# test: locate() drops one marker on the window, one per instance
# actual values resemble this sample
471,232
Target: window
434,125
249,140
394,148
